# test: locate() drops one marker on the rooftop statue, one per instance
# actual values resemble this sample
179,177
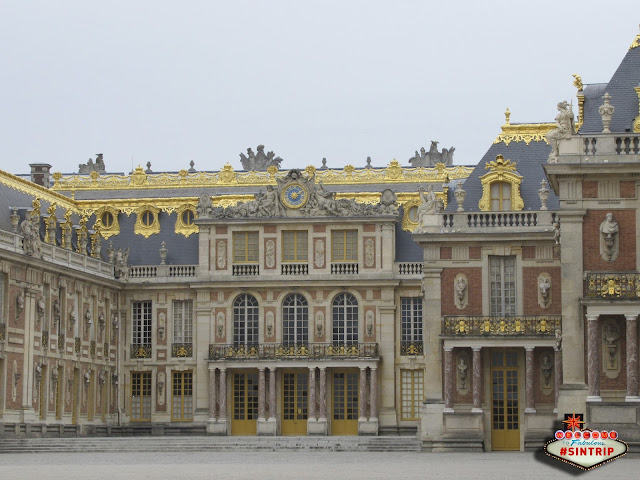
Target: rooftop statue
259,161
299,196
90,166
432,157
565,127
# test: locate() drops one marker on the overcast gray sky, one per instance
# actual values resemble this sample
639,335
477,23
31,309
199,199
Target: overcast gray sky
173,81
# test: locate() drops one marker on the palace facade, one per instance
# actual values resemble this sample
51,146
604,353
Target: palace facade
469,305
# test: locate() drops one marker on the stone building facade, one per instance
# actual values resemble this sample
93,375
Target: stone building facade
469,305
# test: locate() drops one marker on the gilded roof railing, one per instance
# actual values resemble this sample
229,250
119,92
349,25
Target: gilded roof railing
349,175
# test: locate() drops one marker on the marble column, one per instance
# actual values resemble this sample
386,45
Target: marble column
477,378
374,393
272,393
222,398
212,393
448,379
261,393
557,375
530,394
632,359
312,393
362,395
323,394
593,359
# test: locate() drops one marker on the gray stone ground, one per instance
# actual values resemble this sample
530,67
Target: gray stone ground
301,465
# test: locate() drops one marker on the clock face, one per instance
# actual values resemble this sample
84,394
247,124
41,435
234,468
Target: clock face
295,196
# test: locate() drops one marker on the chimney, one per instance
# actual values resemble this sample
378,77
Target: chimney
40,174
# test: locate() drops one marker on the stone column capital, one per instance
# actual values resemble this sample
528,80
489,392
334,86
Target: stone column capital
529,349
476,349
592,318
448,349
631,316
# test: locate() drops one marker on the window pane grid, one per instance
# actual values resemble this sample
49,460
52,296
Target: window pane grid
412,393
245,247
295,320
182,396
183,321
141,396
345,319
503,286
344,246
245,320
294,246
411,312
141,323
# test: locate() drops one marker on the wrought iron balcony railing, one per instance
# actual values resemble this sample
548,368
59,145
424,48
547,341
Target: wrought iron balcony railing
3,331
45,339
285,351
545,325
613,285
181,350
105,350
92,348
77,345
411,348
61,342
140,350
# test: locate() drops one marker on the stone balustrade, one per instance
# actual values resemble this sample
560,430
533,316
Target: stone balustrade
408,268
344,268
294,269
493,220
161,273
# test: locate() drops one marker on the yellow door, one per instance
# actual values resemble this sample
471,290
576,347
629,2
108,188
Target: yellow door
505,409
294,403
344,419
245,404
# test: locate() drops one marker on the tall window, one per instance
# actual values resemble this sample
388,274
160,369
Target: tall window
245,247
245,320
141,396
344,245
182,398
412,393
295,320
294,246
500,196
345,319
411,312
182,321
503,285
141,320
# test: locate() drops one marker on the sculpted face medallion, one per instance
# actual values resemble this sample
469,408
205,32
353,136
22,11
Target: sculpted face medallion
295,196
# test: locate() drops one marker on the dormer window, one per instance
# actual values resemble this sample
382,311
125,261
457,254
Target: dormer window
501,187
500,196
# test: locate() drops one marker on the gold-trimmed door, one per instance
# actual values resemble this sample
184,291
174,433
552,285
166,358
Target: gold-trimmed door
295,394
505,404
245,404
344,402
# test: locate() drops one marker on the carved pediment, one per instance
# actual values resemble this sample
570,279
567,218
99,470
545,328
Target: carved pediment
300,196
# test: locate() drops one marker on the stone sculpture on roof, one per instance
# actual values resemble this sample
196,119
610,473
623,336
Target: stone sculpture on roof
259,162
90,166
299,196
565,127
432,157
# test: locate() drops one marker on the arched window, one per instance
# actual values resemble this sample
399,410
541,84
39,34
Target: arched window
295,320
245,320
345,319
500,196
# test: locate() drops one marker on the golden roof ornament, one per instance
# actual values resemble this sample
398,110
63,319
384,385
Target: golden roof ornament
501,165
577,82
636,42
507,116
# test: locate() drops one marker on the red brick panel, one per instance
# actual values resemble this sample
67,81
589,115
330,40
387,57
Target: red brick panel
530,304
369,227
626,260
221,229
445,253
474,291
270,229
590,189
475,253
528,252
627,189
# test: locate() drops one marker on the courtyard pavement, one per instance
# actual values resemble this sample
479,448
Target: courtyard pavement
301,465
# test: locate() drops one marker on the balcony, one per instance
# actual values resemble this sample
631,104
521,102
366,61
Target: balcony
61,342
76,345
294,269
45,339
181,350
246,269
479,326
280,351
344,268
493,220
613,285
409,348
140,350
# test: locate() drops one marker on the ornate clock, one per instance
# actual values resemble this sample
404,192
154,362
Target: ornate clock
294,196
